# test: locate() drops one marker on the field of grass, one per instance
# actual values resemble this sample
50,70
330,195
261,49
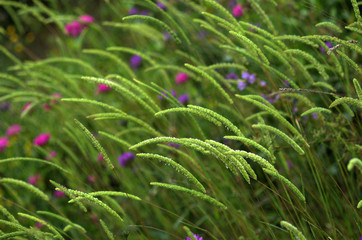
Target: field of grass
180,119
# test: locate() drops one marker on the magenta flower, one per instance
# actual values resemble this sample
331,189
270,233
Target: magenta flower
196,236
13,130
42,139
100,158
73,28
34,179
135,61
125,158
237,11
46,107
38,225
91,179
103,88
184,98
242,85
181,78
4,142
58,194
86,19
161,5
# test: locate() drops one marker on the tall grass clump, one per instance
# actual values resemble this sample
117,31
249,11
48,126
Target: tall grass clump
199,119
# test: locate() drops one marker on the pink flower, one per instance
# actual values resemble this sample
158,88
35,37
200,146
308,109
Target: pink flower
55,95
73,28
238,11
26,107
13,130
34,179
38,225
51,155
42,139
4,142
86,19
46,107
181,78
91,179
58,194
103,88
100,158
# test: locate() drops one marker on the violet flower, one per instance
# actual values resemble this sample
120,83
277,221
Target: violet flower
196,236
231,76
161,5
125,159
135,61
328,44
184,98
242,85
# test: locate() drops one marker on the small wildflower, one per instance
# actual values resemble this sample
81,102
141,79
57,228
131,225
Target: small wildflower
245,75
46,107
13,130
328,44
144,13
125,158
173,92
251,79
242,85
184,98
58,194
202,34
103,88
34,179
315,116
181,78
286,83
135,61
133,11
73,28
56,96
51,155
91,179
100,158
38,225
175,145
26,107
86,19
4,142
4,106
196,236
42,139
238,11
166,36
262,83
161,5
231,76
290,164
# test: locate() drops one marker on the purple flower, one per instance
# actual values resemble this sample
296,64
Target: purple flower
166,36
245,75
73,28
144,13
315,116
231,76
91,179
135,61
38,224
262,83
175,145
328,44
242,85
42,139
13,130
184,98
290,164
251,78
286,82
237,11
181,78
4,106
133,11
4,142
125,158
161,5
196,236
173,92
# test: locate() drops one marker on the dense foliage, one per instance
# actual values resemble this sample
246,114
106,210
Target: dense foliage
179,119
